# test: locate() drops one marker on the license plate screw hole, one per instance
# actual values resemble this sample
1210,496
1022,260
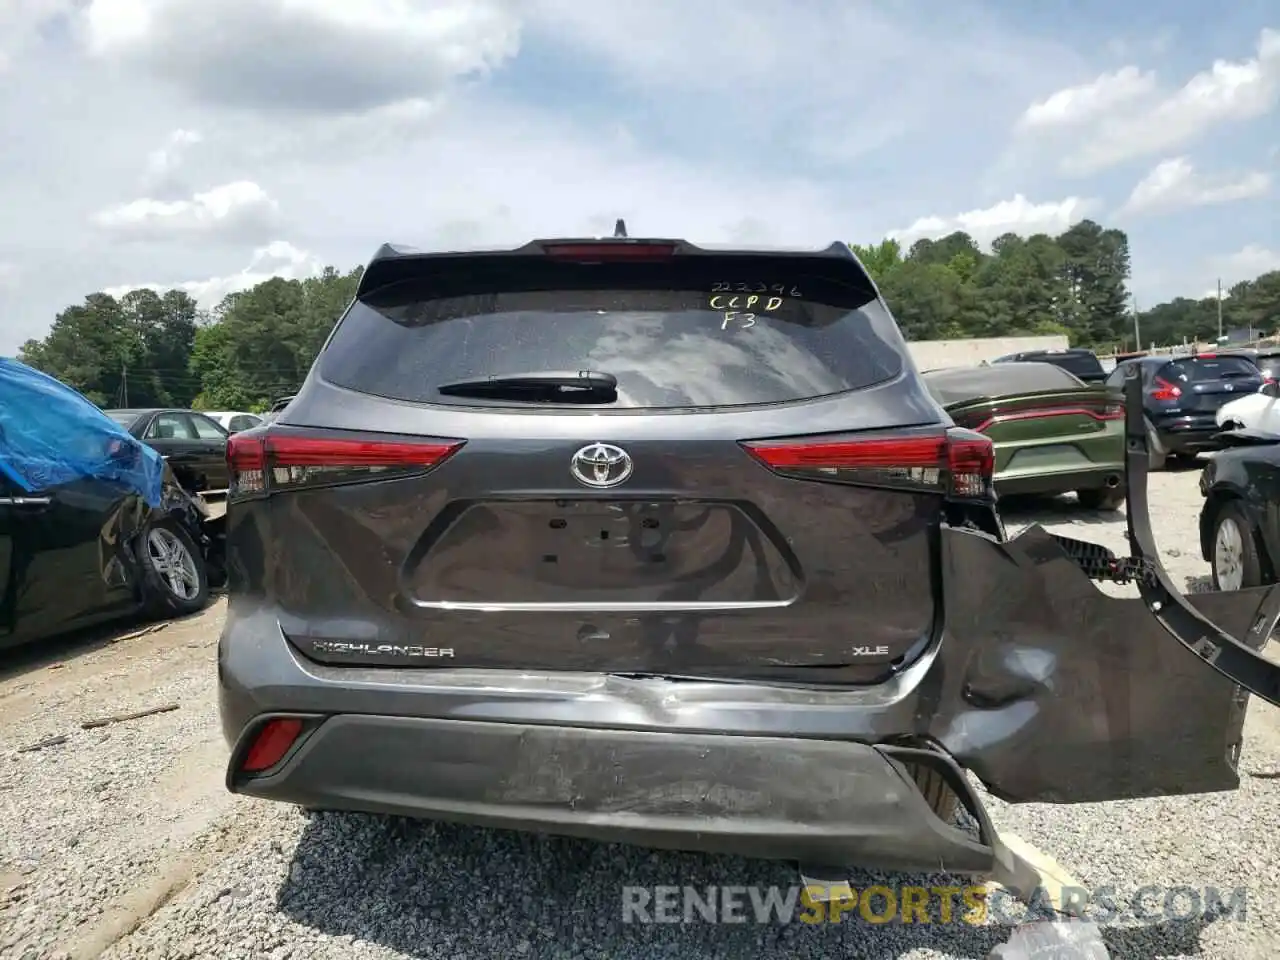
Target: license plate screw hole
558,524
604,534
550,558
649,523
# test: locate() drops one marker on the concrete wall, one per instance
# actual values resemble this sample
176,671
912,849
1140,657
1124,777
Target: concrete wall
935,354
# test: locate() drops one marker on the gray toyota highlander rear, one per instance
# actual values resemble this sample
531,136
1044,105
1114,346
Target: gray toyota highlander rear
642,541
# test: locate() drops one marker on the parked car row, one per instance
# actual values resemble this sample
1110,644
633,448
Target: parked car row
94,524
1188,401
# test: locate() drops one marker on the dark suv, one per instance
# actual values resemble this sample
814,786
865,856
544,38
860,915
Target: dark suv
637,540
1084,364
1181,396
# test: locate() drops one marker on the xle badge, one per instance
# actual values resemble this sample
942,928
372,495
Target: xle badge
870,651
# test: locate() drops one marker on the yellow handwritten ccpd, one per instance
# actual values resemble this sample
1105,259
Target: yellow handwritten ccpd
718,302
879,904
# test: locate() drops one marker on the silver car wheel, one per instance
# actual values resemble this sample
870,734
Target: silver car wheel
1228,555
171,559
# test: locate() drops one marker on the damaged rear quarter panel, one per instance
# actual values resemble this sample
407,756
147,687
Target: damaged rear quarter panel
1053,691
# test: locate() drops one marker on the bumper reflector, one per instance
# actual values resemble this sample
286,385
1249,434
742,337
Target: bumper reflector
271,744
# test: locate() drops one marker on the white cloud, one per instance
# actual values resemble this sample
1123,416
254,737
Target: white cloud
8,275
1088,101
326,56
1018,215
1174,184
1246,263
277,259
1228,92
164,160
376,121
231,211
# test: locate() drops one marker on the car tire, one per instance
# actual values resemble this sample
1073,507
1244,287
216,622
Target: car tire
937,792
1101,498
175,579
1234,562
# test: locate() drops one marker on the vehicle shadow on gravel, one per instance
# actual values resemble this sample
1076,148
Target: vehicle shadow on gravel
64,647
433,890
1026,510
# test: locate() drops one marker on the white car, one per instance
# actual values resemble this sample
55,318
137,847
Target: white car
233,421
1258,412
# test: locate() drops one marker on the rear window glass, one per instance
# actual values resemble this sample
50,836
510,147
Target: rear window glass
1202,369
717,331
998,380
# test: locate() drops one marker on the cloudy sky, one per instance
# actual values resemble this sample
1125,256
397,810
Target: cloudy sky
211,143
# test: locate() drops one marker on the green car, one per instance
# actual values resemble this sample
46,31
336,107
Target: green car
1052,432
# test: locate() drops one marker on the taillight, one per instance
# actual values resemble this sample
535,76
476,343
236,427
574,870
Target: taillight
1165,390
1112,411
958,463
271,743
608,251
268,462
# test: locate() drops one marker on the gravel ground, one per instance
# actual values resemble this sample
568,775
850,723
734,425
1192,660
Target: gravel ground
122,843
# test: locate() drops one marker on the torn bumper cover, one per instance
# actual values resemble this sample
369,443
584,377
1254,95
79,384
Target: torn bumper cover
1043,686
1234,655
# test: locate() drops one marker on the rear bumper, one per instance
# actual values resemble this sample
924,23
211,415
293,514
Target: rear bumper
1041,685
1094,478
766,796
1189,435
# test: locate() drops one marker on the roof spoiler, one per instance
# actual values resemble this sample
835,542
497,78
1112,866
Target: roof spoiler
394,263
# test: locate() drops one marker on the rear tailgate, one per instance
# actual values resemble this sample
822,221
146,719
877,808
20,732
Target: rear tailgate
763,494
1206,382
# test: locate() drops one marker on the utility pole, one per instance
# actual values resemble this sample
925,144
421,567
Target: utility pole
1219,309
124,385
1137,335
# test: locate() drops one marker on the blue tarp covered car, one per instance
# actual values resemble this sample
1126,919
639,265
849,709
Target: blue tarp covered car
50,435
93,524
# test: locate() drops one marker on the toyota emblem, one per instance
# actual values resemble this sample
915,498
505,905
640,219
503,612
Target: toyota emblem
601,465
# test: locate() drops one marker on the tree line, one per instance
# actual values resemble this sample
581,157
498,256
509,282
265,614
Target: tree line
153,348
1074,284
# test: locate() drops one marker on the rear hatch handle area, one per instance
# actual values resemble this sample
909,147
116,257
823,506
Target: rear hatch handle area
1233,659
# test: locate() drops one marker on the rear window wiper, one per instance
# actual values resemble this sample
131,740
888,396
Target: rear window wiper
556,386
